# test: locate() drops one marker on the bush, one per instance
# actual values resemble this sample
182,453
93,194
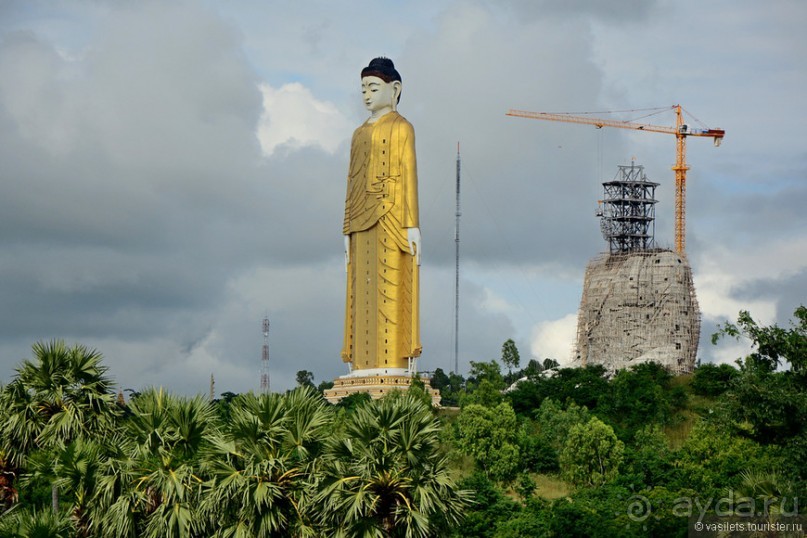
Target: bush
712,380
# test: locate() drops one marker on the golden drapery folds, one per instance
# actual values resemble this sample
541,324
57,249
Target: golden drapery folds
382,319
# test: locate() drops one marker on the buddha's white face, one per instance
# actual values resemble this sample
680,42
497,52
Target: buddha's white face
379,96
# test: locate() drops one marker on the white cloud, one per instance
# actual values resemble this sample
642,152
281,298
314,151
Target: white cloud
555,339
493,302
723,271
140,215
293,116
729,351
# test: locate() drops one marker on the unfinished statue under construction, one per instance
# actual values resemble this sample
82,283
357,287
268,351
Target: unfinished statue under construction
638,301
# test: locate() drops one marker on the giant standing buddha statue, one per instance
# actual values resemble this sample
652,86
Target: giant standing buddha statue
382,244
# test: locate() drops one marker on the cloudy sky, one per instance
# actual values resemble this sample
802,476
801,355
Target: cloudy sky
172,172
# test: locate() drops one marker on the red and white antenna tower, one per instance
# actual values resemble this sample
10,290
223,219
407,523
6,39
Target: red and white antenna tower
265,357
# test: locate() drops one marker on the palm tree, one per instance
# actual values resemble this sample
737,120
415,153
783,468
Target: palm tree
387,477
74,470
264,468
151,485
63,394
35,524
771,490
21,425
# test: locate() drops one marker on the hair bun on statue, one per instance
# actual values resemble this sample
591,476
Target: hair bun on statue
382,68
382,61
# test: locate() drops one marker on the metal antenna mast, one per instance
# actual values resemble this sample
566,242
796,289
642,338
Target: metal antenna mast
265,357
457,272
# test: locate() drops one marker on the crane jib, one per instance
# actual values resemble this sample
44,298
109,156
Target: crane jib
681,131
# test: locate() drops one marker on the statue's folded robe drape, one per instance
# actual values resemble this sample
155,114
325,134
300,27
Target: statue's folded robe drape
382,326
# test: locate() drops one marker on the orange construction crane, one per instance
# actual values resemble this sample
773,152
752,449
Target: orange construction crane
681,131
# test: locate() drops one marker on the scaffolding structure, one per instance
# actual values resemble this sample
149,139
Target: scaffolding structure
628,210
638,302
639,307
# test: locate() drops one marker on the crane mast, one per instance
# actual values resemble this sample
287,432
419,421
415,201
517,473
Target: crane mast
681,131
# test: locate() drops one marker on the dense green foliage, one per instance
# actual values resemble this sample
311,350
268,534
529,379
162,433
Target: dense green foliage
641,451
488,435
712,380
244,466
592,454
560,452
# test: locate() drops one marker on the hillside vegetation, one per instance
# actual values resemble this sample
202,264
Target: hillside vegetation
562,452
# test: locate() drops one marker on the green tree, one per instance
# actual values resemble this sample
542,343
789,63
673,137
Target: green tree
485,394
592,454
486,371
353,401
642,395
525,486
60,395
417,389
324,385
769,407
772,346
75,471
489,435
152,485
305,379
33,523
450,387
386,476
485,385
555,422
712,459
611,510
264,466
764,404
510,356
529,522
440,379
457,390
586,387
712,380
648,459
224,404
537,454
489,509
533,368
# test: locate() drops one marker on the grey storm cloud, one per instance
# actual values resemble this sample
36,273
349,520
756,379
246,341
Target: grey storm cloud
140,216
619,11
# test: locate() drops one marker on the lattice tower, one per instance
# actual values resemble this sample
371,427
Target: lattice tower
628,210
265,357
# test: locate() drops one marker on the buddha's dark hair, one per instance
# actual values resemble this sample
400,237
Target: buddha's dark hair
384,69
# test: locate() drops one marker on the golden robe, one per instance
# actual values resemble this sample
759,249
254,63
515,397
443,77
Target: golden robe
382,320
